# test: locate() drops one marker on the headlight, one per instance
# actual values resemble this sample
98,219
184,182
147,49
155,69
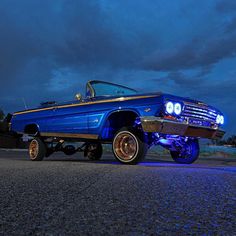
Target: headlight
220,119
170,107
177,108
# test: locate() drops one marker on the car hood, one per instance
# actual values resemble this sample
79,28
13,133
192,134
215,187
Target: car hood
174,98
165,96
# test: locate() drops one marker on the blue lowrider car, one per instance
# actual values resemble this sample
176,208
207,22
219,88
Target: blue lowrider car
120,116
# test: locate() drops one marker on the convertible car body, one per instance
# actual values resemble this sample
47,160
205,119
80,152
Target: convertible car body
118,115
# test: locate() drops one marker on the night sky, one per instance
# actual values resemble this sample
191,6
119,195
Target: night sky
50,49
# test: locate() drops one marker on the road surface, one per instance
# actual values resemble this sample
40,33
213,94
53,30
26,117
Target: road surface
73,196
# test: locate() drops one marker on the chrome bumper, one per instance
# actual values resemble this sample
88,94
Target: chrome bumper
164,126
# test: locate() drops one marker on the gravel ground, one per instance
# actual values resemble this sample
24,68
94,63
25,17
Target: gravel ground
72,196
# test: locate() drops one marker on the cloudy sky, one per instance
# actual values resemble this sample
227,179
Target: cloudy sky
49,49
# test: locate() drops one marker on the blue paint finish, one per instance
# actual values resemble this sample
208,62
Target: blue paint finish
90,115
88,118
95,120
136,106
42,119
69,120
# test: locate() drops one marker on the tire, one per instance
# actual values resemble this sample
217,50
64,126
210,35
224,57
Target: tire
93,151
129,146
37,150
188,154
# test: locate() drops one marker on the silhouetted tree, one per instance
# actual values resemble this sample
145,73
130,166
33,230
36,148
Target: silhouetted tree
229,141
1,114
233,140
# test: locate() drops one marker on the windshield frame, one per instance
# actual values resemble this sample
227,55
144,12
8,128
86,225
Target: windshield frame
92,92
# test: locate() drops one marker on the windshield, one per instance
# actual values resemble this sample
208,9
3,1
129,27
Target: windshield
99,88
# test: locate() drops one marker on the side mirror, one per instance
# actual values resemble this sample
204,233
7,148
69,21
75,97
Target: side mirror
78,97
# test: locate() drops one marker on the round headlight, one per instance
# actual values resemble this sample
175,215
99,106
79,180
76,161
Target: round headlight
218,119
222,120
177,108
170,107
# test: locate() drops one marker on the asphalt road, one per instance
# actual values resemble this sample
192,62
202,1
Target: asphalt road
73,196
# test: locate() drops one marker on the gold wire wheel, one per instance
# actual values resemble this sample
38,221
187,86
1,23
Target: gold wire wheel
33,149
125,146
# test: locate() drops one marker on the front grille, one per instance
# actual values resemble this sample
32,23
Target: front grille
199,112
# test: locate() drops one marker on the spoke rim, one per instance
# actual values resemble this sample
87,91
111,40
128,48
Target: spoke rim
33,149
125,146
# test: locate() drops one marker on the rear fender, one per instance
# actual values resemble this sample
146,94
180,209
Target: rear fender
32,129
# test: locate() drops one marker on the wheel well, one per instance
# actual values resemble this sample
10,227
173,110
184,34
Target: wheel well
31,129
116,121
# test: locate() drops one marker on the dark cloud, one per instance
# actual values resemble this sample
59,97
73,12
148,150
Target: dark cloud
40,37
49,49
197,53
186,81
226,6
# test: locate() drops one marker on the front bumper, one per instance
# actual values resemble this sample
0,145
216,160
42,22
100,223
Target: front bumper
164,126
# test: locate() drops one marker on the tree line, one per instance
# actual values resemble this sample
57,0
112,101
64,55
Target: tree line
229,141
2,115
4,121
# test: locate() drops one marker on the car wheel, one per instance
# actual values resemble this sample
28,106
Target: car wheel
93,151
188,154
37,150
128,146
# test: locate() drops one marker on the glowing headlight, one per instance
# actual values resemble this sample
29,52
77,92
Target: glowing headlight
220,119
170,107
177,108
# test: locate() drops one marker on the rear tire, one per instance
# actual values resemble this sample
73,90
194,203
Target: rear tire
129,146
188,154
37,150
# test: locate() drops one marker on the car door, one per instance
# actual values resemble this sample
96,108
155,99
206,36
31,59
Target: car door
69,118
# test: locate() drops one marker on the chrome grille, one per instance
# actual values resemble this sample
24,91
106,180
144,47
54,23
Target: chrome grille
199,112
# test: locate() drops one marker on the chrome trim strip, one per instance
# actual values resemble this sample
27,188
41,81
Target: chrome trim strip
68,135
202,105
34,110
120,99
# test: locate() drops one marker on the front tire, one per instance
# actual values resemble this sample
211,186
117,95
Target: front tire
37,150
188,154
128,146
